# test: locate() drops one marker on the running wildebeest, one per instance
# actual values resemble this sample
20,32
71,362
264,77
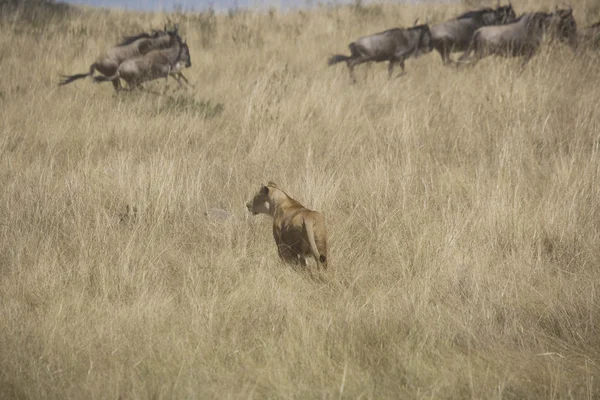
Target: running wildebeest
393,45
521,38
456,34
132,46
153,65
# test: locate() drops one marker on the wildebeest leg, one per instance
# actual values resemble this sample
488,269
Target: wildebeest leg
439,47
474,53
445,56
444,50
178,80
400,62
180,75
167,80
464,57
351,64
472,61
116,84
391,68
402,67
135,84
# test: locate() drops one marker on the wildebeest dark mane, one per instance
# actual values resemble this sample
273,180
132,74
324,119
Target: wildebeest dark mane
412,28
388,31
418,27
520,17
130,39
475,13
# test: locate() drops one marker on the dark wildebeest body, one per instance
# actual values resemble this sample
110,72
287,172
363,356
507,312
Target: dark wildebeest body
394,45
521,38
456,34
131,47
153,65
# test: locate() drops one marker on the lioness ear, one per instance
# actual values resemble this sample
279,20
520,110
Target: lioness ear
271,183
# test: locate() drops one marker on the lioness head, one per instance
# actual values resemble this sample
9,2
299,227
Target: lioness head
260,204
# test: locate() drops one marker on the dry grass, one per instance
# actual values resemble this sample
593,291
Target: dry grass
463,212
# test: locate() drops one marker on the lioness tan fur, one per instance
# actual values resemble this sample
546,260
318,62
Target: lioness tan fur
298,231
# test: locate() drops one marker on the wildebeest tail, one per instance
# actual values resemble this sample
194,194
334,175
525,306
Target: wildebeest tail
337,58
102,78
71,78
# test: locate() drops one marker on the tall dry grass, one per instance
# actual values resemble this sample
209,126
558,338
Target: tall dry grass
462,206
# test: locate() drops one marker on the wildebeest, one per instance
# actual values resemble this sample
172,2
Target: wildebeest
393,45
131,47
153,65
521,38
456,34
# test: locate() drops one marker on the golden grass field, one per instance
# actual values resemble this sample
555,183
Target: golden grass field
463,210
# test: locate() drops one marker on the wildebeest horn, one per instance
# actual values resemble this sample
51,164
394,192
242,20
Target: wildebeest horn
416,21
427,20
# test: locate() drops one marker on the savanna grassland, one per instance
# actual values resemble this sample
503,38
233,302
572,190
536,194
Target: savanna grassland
463,209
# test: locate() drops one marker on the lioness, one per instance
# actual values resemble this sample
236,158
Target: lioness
298,231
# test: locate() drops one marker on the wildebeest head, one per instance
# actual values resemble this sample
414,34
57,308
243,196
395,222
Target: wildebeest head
505,14
424,43
566,27
538,21
185,57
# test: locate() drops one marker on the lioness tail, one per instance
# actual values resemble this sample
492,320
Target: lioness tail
310,233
